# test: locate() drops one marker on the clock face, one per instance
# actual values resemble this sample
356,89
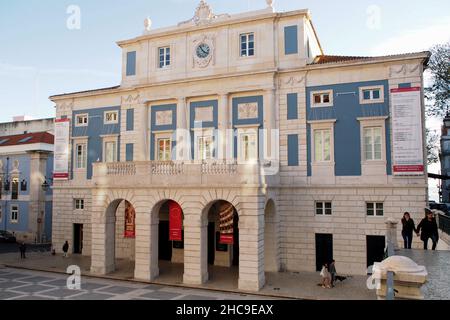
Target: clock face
203,50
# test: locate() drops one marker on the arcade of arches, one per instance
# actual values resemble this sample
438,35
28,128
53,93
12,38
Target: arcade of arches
169,236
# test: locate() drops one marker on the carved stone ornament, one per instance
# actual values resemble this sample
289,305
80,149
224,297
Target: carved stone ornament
65,106
204,114
248,111
203,15
130,99
292,81
210,58
404,70
164,118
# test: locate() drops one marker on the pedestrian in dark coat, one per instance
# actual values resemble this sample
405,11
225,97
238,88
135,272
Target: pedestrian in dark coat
408,228
65,248
23,249
429,230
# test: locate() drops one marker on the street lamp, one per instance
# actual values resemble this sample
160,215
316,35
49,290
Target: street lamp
46,186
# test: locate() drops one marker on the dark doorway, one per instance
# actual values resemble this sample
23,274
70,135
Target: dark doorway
375,249
211,243
77,238
164,245
236,241
324,249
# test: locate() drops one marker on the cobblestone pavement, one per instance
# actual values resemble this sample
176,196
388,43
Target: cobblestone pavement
438,267
33,285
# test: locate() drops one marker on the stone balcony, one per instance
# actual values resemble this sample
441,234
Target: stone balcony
154,173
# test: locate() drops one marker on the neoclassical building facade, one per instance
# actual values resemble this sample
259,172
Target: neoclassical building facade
242,123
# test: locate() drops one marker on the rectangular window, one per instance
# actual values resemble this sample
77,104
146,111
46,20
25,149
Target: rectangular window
322,98
164,149
205,147
79,204
130,119
164,57
81,156
129,152
15,189
110,151
249,147
14,214
292,106
291,40
375,209
372,143
131,63
371,95
322,145
81,120
247,45
111,117
324,208
293,150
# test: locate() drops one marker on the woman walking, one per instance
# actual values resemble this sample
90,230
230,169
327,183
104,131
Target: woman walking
408,228
429,229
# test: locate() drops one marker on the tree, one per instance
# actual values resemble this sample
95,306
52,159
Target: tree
432,146
437,94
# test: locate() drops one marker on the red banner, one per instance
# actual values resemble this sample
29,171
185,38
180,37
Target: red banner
130,221
175,222
226,223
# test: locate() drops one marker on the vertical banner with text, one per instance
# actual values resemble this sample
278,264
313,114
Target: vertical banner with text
407,131
61,153
130,221
226,223
175,222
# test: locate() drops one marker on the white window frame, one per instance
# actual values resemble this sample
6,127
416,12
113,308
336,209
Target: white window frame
247,49
254,131
203,133
79,204
324,208
84,160
16,220
371,100
107,140
159,136
322,125
15,180
322,137
322,104
105,117
372,122
374,208
373,137
164,151
84,116
166,63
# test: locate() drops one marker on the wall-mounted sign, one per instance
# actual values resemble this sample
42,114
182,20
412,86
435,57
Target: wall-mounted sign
61,153
407,131
175,222
130,221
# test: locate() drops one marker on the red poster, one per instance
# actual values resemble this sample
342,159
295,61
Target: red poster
226,224
175,222
130,221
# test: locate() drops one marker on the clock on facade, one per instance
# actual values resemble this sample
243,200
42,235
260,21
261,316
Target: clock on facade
203,50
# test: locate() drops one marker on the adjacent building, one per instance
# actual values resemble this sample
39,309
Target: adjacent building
234,141
26,169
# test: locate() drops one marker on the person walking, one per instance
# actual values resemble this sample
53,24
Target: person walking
65,249
408,228
428,229
23,249
326,277
333,272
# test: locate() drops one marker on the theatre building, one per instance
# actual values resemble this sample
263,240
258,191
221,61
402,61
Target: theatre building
234,144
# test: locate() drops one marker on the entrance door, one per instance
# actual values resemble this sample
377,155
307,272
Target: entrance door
165,246
375,249
211,242
324,249
77,238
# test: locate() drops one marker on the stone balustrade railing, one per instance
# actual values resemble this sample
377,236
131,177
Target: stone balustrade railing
167,168
121,169
218,168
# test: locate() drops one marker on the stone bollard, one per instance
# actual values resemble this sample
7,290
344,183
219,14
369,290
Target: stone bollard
408,278
391,232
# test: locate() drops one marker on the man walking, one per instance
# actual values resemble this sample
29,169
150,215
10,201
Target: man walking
429,230
333,272
65,249
23,249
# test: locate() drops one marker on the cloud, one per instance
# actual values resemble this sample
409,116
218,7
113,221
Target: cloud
415,39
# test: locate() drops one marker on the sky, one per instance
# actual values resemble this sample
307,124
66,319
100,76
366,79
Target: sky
43,53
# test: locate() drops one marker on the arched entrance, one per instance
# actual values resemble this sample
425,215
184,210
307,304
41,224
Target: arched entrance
169,218
271,240
223,242
120,234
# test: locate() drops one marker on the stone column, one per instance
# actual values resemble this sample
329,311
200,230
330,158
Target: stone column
195,249
182,130
146,265
223,124
251,247
103,244
269,120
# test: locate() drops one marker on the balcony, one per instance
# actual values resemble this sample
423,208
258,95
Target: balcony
154,173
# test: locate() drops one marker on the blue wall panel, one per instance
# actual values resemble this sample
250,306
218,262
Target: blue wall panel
129,152
131,63
293,150
155,127
291,40
130,119
292,106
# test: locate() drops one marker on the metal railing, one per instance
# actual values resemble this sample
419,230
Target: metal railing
444,223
